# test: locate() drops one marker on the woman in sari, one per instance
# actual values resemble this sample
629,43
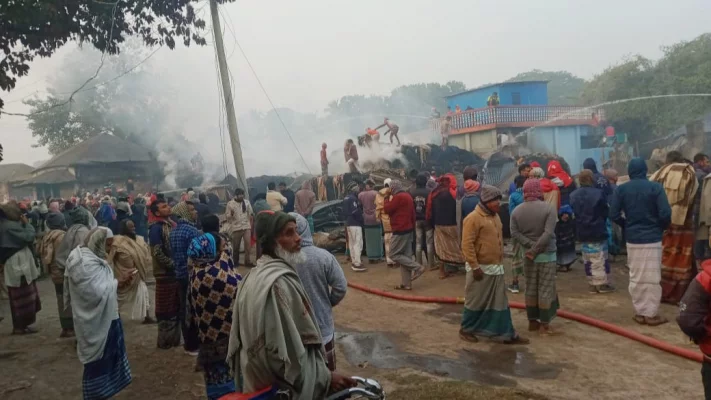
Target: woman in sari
212,292
130,258
442,214
92,288
20,272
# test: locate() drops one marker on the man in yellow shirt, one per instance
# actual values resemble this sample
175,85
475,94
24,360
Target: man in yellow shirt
275,199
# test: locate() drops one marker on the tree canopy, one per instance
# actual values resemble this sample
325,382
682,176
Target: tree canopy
37,28
685,68
564,88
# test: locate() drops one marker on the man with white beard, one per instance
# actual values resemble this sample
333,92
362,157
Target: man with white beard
275,341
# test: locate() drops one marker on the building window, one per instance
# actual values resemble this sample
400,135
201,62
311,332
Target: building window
516,98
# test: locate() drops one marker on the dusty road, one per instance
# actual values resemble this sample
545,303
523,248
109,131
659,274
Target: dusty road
412,348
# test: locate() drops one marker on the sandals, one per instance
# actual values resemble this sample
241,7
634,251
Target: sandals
468,337
26,331
402,287
656,320
651,321
517,340
418,273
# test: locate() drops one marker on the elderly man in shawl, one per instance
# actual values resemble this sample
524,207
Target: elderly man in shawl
325,284
486,310
20,272
48,253
680,184
167,287
442,214
130,258
180,238
533,225
401,209
212,292
91,285
275,341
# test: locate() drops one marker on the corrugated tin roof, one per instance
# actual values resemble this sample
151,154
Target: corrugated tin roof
14,172
100,149
490,85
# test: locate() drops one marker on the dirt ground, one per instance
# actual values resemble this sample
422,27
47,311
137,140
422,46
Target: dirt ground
411,348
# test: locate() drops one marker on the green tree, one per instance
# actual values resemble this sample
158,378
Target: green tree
685,68
32,28
564,88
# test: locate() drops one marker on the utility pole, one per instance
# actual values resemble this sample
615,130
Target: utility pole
227,91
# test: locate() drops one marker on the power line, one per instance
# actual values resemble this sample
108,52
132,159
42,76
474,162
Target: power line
264,90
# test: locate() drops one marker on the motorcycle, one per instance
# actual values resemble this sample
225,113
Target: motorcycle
367,388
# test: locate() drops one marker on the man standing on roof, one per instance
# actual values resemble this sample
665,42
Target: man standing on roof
351,154
493,100
392,130
445,128
324,160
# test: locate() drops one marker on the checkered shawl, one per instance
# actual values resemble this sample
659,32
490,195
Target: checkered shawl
213,288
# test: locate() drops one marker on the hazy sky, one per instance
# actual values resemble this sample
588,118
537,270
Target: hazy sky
310,52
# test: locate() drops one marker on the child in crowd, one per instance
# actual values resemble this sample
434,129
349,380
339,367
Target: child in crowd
565,239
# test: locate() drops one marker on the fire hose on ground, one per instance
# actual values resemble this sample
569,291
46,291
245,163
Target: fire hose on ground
657,344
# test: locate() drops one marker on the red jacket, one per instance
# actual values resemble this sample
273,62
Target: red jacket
695,309
401,209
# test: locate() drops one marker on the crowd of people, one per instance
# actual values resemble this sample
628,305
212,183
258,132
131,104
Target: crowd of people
273,331
662,221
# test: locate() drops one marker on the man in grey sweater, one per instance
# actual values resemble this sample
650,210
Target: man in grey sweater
533,225
324,282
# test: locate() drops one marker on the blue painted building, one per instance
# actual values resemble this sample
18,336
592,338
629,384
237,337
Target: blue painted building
510,94
574,143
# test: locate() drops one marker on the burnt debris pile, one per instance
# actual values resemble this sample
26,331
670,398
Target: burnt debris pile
426,157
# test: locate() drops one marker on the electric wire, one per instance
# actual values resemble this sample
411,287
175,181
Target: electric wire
266,94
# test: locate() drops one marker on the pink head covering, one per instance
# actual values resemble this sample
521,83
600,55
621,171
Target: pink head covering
532,190
54,207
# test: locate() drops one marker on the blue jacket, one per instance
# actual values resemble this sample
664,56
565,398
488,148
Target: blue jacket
646,208
515,199
589,205
352,210
469,204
